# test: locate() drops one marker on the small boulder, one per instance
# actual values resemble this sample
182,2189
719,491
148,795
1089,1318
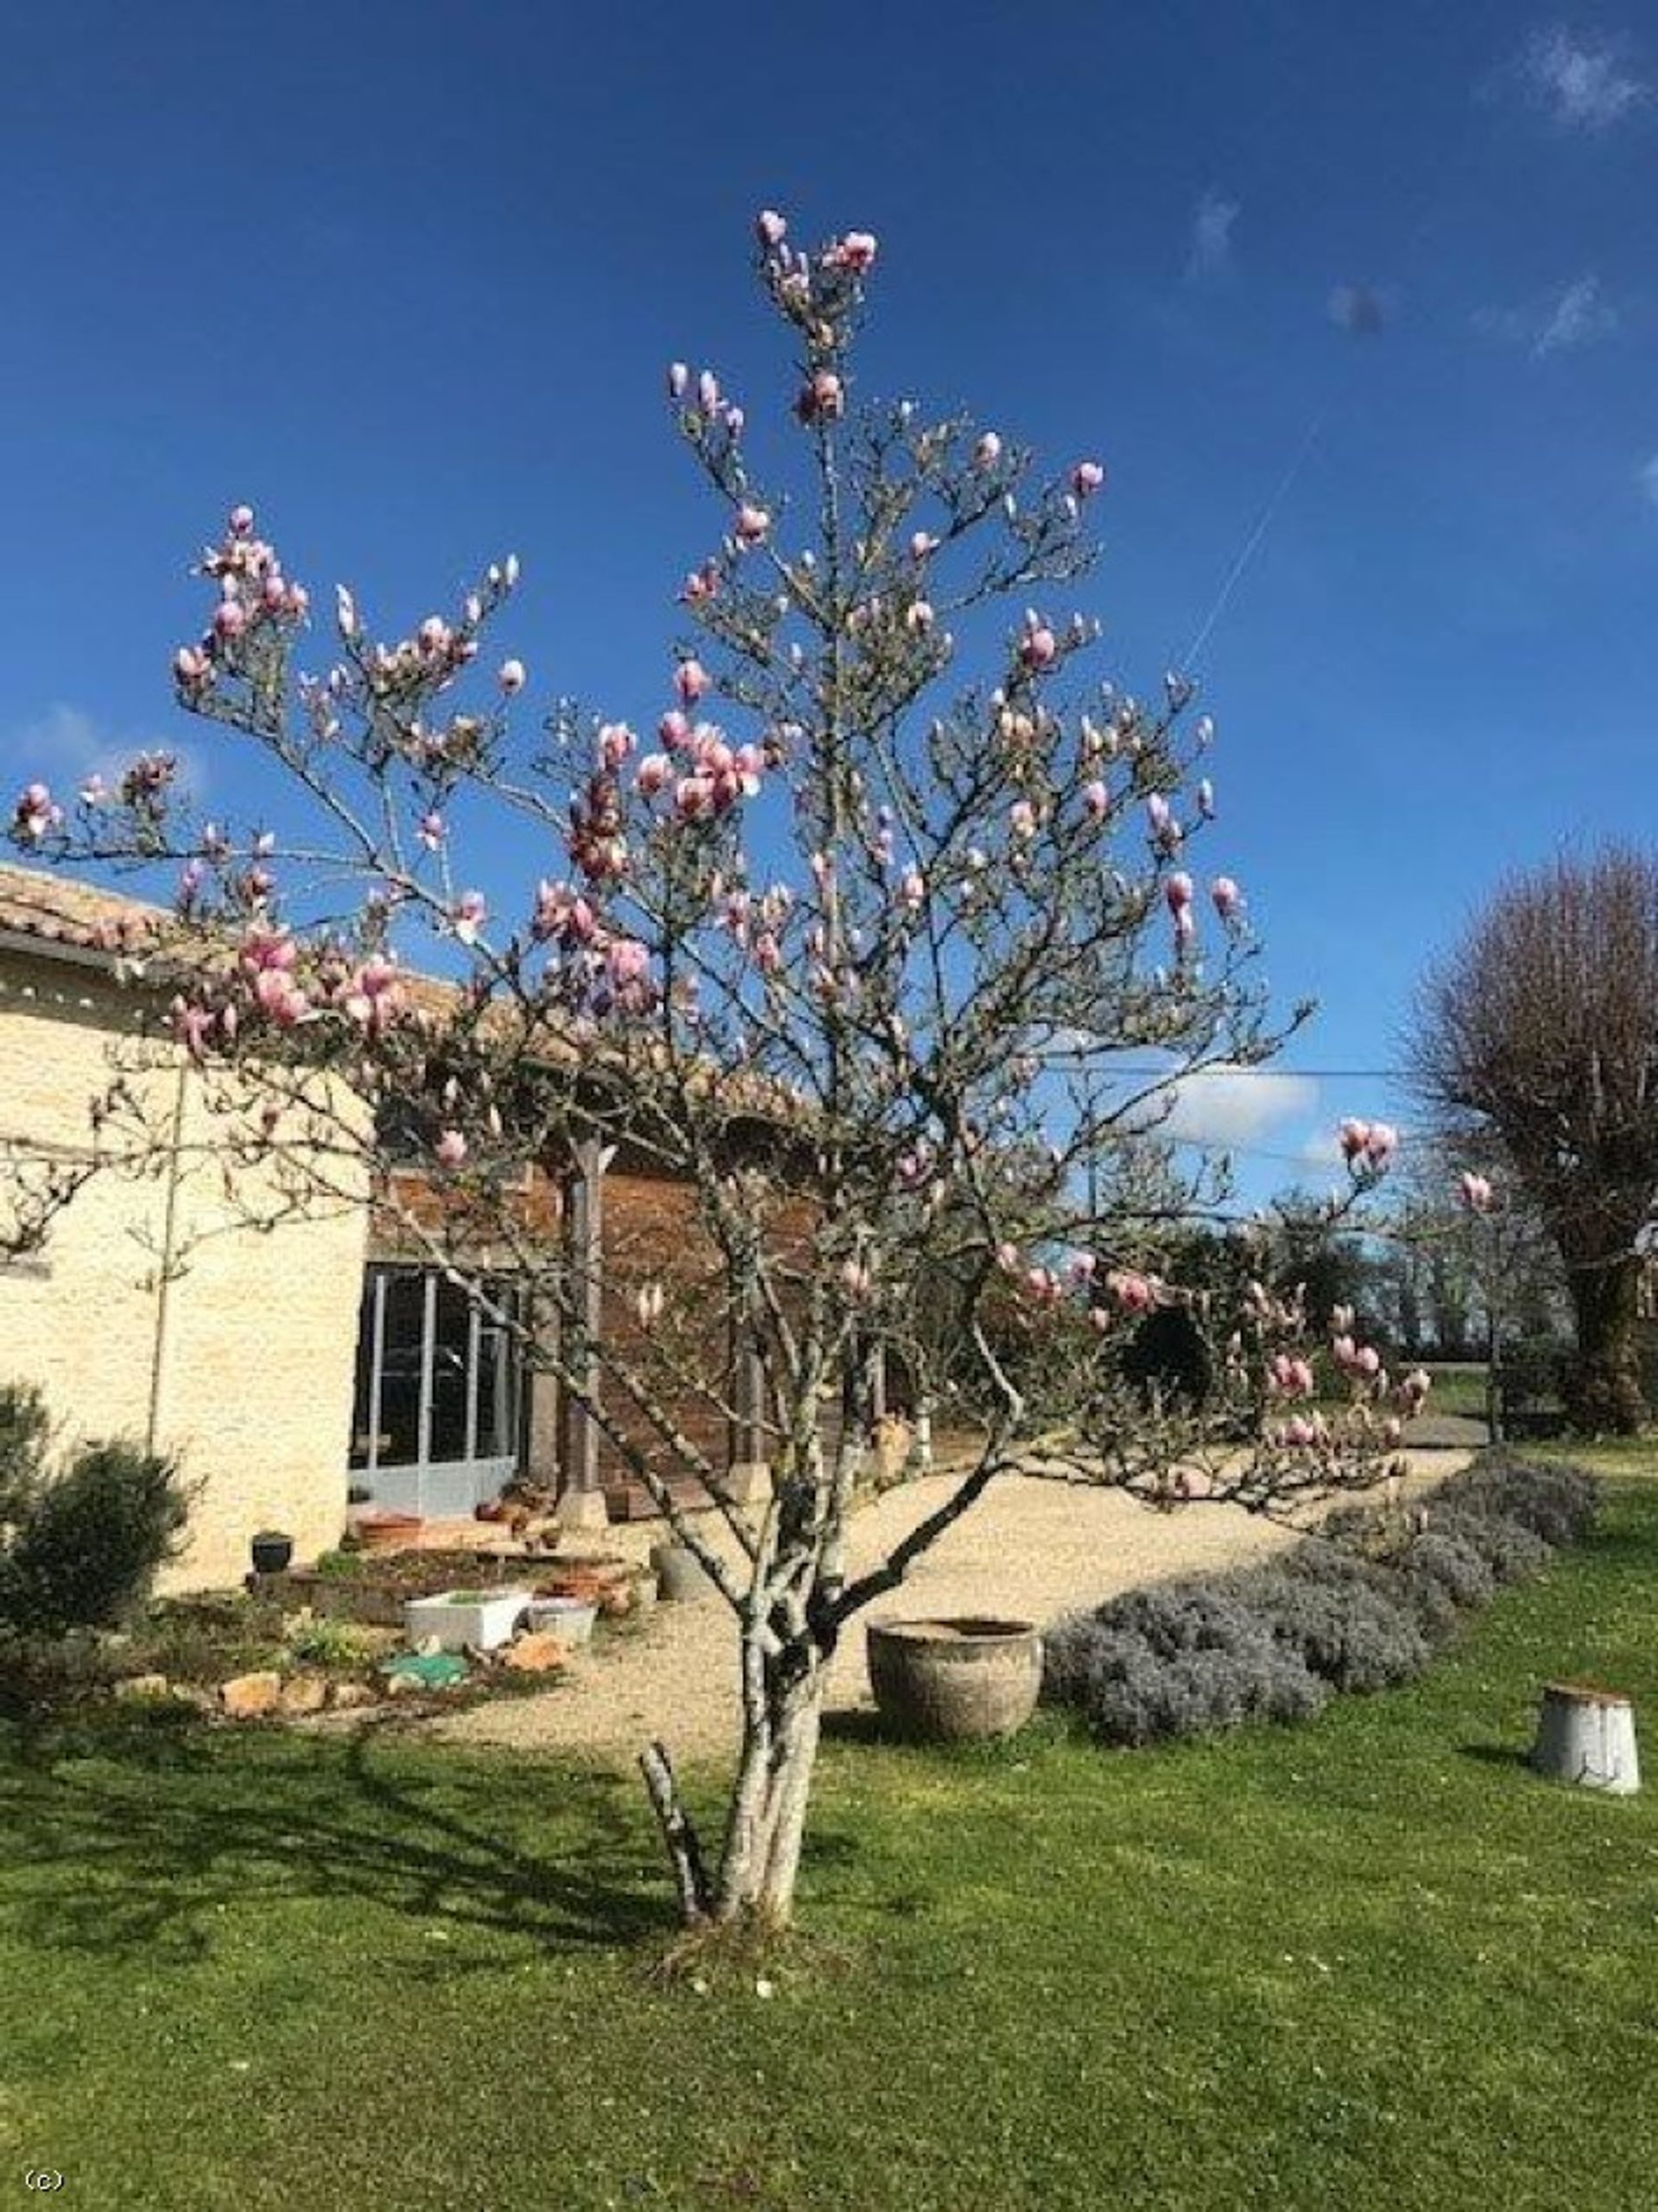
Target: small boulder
245,1697
535,1654
350,1697
304,1693
140,1686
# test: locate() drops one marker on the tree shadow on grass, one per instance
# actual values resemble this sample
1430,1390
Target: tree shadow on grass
134,1839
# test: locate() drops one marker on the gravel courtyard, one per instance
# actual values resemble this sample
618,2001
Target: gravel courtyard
1029,1549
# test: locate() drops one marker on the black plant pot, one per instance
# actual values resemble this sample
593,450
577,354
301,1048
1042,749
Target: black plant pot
272,1554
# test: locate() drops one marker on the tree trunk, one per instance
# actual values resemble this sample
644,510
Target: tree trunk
762,1853
1604,1396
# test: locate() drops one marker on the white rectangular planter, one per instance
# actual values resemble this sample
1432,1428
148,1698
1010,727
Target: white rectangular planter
482,1621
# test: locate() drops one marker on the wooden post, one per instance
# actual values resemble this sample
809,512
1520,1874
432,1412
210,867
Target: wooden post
581,1503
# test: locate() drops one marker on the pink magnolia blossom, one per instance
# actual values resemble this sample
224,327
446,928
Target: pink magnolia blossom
451,1149
35,813
229,618
1227,899
1086,479
988,452
752,525
922,544
511,678
708,392
1381,1143
1475,1192
1134,1292
1353,1136
1039,646
652,774
470,912
1022,818
770,228
823,399
432,831
855,253
1178,892
1096,800
679,377
628,962
691,681
241,522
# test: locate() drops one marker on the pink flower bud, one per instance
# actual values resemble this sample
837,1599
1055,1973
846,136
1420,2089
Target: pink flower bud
988,451
1086,479
451,1149
1226,897
679,377
241,522
691,681
1475,1192
652,774
1353,1136
229,618
431,832
1039,646
511,678
752,524
770,228
708,392
1381,1143
1177,892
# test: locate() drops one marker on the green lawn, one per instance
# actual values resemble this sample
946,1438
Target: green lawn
1372,1963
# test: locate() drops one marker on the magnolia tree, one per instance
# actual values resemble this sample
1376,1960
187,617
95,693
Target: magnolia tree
850,946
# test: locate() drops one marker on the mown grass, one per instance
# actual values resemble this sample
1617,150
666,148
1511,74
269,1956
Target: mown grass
1372,1963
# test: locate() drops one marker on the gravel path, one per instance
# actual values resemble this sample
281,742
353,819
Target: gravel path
1030,1549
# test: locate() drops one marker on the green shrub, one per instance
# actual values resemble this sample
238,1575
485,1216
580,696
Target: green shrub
84,1551
1557,1504
23,1430
1423,1600
1351,1633
1445,1560
1178,1659
1509,1548
334,1642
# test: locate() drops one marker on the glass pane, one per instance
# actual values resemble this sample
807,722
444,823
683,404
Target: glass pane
451,1333
362,1411
400,1377
498,1381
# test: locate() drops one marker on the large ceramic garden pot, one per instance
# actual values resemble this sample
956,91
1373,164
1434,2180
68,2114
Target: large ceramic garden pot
949,1681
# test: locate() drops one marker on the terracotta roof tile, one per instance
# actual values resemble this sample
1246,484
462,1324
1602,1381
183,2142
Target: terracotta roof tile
60,909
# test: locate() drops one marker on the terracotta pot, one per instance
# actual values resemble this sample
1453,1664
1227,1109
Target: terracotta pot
952,1681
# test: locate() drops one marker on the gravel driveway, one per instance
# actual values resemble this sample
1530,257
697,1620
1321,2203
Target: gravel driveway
1029,1548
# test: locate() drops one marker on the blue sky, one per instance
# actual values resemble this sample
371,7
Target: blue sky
405,276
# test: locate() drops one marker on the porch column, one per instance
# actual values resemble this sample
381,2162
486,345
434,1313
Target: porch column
581,1502
748,1479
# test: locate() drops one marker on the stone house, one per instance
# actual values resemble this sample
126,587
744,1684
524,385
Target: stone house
283,1368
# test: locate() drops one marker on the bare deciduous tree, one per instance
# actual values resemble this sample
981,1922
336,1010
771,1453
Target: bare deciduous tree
1539,1032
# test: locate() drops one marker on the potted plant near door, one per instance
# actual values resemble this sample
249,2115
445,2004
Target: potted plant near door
273,1551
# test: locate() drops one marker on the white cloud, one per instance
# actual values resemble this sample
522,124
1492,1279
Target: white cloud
1235,1107
1579,81
65,745
1646,478
1577,315
1212,236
